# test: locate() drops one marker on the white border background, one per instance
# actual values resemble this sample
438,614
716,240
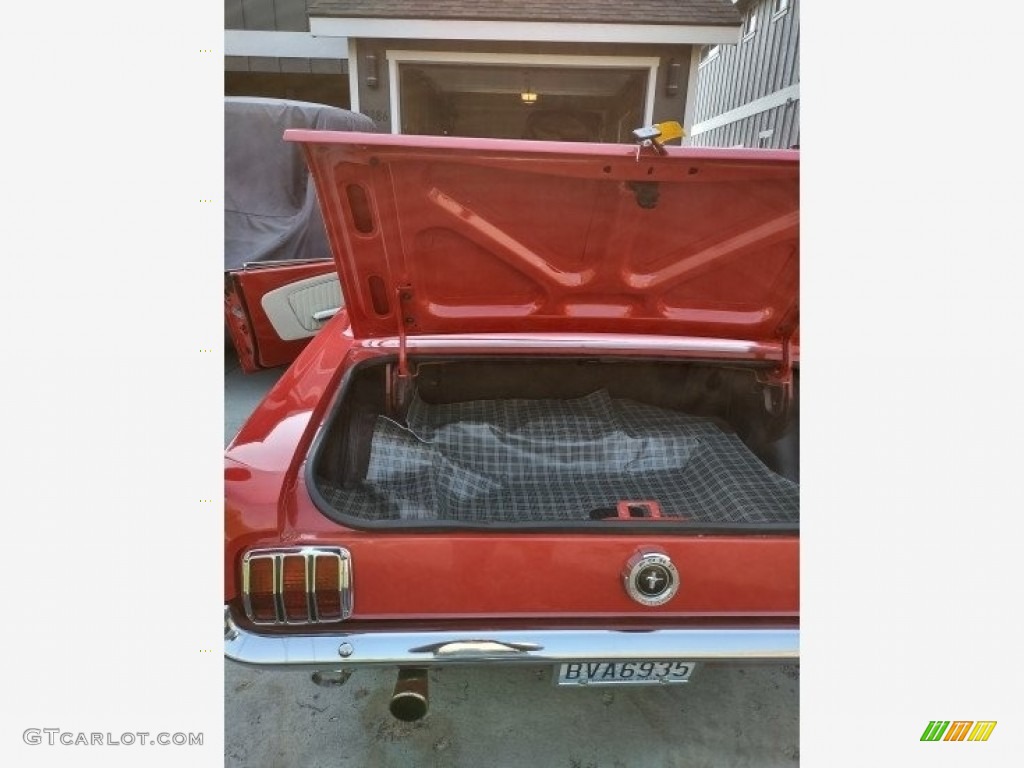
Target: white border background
112,429
912,358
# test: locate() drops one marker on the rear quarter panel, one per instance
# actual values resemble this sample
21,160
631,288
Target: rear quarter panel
463,575
272,443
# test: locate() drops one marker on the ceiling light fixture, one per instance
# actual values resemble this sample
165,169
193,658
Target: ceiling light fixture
527,95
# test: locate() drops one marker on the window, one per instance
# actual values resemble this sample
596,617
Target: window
708,53
779,7
750,24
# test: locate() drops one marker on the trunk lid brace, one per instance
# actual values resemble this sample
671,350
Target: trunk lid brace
778,391
400,376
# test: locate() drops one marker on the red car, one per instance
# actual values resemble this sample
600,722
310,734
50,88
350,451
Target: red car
555,423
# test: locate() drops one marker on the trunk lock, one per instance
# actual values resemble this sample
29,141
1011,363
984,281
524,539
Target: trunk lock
650,578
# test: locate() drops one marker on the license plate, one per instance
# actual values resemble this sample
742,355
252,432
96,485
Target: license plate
623,672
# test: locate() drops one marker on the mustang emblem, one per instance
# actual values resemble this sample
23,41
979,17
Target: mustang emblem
650,578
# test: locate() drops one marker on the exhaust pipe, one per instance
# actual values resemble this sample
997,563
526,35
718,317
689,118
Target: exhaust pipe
410,699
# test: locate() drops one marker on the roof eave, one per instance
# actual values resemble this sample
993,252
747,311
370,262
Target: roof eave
533,31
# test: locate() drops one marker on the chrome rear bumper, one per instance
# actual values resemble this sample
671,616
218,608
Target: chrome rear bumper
540,646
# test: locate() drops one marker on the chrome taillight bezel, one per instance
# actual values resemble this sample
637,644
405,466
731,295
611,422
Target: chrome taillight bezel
309,556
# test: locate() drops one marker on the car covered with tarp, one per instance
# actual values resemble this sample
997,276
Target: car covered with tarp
280,281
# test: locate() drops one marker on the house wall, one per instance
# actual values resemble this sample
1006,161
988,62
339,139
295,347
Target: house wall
781,124
765,67
274,16
326,79
267,15
304,78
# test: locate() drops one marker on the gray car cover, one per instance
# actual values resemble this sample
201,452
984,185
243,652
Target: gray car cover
270,206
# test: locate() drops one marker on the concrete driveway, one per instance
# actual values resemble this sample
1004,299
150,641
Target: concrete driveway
512,716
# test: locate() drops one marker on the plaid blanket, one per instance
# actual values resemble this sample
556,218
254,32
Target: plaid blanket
525,461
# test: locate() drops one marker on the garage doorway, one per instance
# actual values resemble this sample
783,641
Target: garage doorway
559,98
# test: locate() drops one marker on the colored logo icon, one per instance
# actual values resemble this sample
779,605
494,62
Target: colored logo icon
958,730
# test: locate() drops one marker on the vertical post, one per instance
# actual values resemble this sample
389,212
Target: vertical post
353,75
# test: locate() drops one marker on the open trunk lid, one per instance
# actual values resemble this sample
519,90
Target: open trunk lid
434,235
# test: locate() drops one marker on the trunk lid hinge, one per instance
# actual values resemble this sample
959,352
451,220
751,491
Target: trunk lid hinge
401,375
778,391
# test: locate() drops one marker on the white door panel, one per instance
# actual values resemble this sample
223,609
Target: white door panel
298,310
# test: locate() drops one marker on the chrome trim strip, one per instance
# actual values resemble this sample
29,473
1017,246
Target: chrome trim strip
345,584
246,589
596,342
271,263
249,558
279,612
326,314
536,646
309,563
476,648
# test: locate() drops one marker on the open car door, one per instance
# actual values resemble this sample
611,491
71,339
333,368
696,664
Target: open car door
273,309
280,282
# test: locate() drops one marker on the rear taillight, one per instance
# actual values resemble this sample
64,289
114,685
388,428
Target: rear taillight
297,585
259,583
331,583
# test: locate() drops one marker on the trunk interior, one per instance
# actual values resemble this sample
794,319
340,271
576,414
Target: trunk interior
561,443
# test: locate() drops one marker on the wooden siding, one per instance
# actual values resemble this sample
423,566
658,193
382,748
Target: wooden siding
274,16
759,66
783,121
266,15
292,65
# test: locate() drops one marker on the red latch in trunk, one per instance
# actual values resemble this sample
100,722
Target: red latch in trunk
639,510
